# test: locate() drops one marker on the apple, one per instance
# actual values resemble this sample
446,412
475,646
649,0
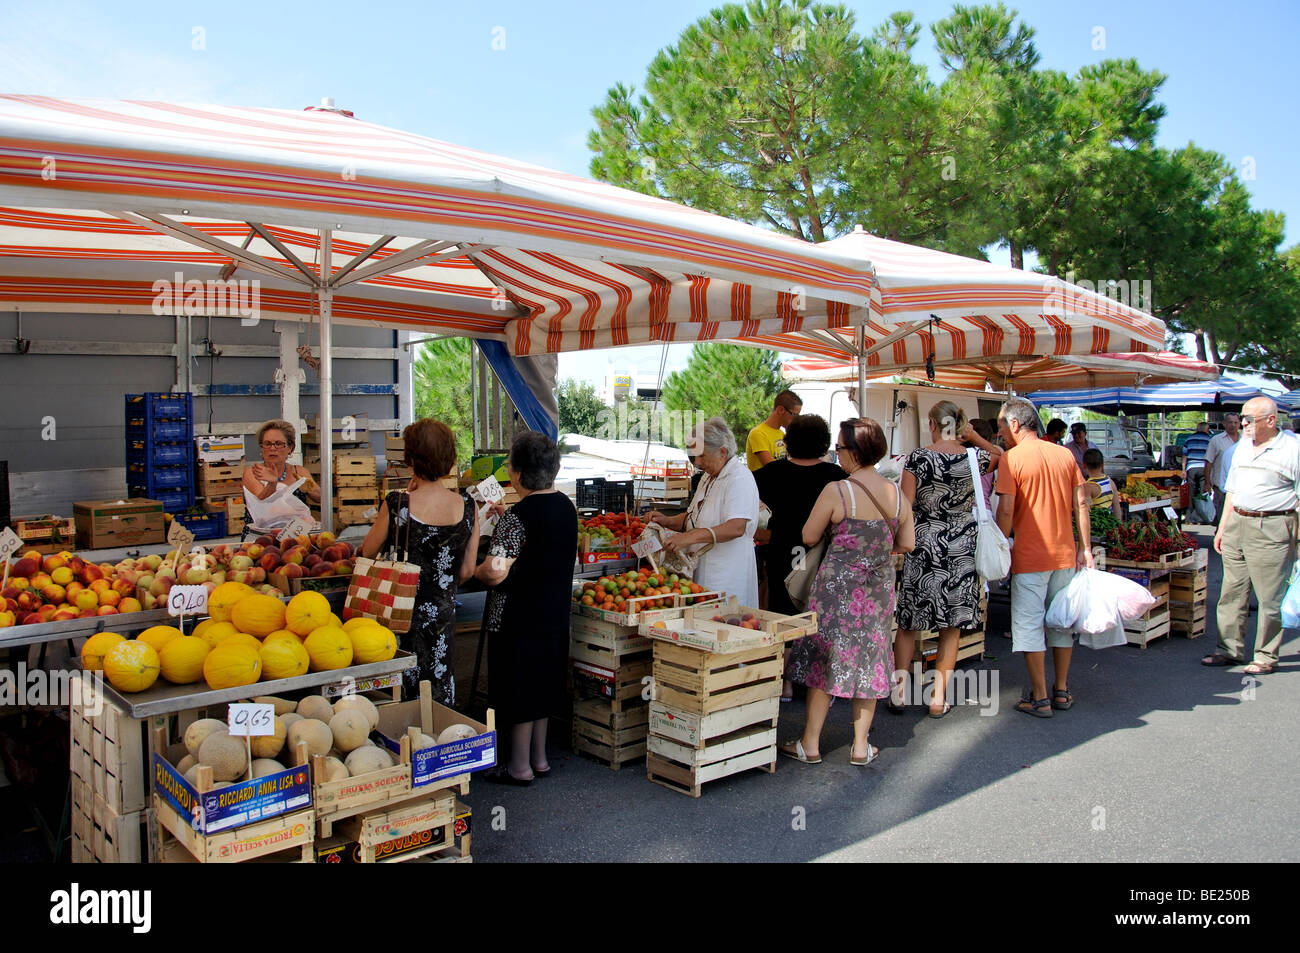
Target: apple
291,571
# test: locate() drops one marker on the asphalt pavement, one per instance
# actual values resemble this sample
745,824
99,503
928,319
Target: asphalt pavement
1160,759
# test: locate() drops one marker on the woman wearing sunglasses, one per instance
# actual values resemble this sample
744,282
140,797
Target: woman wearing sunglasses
277,439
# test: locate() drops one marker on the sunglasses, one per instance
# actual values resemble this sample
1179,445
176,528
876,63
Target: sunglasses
1247,420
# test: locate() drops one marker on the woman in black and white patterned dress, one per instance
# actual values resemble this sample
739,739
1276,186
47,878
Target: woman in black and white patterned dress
435,526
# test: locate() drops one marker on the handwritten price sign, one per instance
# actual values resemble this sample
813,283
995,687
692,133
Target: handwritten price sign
487,521
179,536
297,527
187,600
491,490
645,547
9,543
249,720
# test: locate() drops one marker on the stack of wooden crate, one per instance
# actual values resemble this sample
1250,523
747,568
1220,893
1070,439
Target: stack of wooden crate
1154,576
1188,589
970,642
109,790
356,480
396,473
47,534
221,490
610,708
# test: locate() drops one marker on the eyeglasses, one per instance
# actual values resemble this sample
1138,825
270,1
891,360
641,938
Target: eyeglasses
1247,420
274,444
840,446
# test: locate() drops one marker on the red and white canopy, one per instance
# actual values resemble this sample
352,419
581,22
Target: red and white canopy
101,199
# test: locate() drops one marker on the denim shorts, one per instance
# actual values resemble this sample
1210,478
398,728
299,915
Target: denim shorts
1031,594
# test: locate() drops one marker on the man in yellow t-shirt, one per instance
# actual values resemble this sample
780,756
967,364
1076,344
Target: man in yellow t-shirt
767,441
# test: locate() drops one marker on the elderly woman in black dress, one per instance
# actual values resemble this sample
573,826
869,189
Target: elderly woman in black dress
529,569
434,525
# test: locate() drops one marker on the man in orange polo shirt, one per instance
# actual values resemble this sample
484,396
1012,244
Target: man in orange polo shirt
1041,493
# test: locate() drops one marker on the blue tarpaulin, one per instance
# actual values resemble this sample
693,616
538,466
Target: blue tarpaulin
529,404
1227,393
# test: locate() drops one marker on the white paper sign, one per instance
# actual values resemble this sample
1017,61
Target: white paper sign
1169,512
9,543
252,720
646,546
187,600
297,527
179,536
491,490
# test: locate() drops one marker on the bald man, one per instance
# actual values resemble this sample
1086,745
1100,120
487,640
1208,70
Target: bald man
1257,537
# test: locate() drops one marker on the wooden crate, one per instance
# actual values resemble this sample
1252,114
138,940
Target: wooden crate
686,769
969,645
261,839
694,730
426,822
620,640
603,657
107,752
622,688
1187,611
1190,630
102,835
347,464
337,801
704,682
41,531
1185,586
1150,626
355,515
615,738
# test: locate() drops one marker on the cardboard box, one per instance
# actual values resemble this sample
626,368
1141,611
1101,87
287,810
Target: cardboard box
483,465
220,448
108,524
442,761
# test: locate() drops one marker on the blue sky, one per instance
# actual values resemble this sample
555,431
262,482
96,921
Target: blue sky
520,78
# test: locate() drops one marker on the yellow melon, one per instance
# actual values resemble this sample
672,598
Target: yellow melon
283,658
372,643
131,665
229,666
214,632
182,659
243,638
258,615
329,648
223,599
92,653
282,634
306,612
202,627
357,621
159,635
335,621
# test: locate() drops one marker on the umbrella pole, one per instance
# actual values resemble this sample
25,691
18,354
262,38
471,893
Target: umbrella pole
862,370
326,408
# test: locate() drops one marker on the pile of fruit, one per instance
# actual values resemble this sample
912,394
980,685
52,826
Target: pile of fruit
341,732
746,621
612,593
609,531
62,586
249,637
1145,542
1140,491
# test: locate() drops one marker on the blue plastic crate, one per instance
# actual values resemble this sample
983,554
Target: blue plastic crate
158,406
171,431
203,525
173,501
150,454
160,478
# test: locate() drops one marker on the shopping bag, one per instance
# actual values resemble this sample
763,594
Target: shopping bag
1291,601
1069,605
1203,508
385,589
798,584
992,549
1104,640
279,509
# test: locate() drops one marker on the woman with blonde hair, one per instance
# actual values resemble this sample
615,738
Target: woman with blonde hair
941,590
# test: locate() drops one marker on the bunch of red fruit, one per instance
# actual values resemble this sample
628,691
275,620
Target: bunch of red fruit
318,554
746,621
62,586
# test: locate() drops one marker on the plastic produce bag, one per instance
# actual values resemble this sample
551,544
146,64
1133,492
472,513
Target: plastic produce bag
1104,640
1291,601
279,509
1096,604
1070,604
1203,507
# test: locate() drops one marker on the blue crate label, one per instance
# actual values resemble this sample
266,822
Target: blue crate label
238,804
448,760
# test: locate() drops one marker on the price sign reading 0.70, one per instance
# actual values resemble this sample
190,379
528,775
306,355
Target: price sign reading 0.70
250,719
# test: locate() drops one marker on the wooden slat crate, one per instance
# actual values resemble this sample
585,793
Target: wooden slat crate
969,645
41,531
612,737
355,515
622,688
377,832
364,482
1148,627
261,839
102,835
695,730
704,682
618,639
107,752
602,657
686,769
1188,586
337,801
347,464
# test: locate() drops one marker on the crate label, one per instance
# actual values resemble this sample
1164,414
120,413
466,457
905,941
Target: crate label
251,719
241,803
179,536
448,760
187,600
351,686
9,543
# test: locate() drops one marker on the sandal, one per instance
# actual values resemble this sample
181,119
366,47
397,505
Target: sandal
939,714
1218,659
872,754
1066,699
794,749
1260,668
1042,708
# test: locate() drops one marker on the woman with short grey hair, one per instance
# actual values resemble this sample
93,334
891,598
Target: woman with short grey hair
722,516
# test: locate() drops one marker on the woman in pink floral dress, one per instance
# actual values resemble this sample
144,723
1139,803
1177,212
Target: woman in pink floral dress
853,595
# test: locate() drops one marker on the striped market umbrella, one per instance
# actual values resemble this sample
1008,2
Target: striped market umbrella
1226,393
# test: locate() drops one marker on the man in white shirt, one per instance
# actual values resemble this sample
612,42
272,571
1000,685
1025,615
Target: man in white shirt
1216,460
1257,537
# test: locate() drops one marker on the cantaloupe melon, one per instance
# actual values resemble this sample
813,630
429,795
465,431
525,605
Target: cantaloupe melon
289,720
264,766
335,770
306,612
182,660
457,732
366,759
316,706
225,755
329,648
426,741
224,598
258,615
270,746
159,635
186,763
359,703
283,658
282,705
231,665
191,775
92,653
131,665
372,643
349,729
198,731
315,733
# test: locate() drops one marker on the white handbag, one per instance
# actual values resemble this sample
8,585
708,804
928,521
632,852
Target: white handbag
992,549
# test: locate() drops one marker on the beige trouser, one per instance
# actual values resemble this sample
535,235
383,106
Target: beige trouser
1257,552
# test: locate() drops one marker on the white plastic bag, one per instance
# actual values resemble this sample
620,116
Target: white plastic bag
1291,601
279,509
992,549
1096,605
1069,605
1104,640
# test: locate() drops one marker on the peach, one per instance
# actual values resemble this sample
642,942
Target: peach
19,582
264,541
53,562
294,554
153,562
291,571
123,587
76,564
348,551
195,576
257,575
312,561
87,613
162,585
255,552
7,619
322,568
129,604
342,567
270,561
29,599
54,593
10,592
41,580
218,577
47,612
107,610
148,601
323,540
110,598
89,599
100,585
331,554
25,567
241,563
64,614
62,576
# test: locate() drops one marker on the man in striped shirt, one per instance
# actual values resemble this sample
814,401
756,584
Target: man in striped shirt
1194,451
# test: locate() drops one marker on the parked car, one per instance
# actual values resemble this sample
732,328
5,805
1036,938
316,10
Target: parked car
1125,448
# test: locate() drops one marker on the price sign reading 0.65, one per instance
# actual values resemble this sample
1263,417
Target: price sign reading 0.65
250,719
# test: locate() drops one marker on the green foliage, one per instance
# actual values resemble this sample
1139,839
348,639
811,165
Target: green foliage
441,377
580,408
729,381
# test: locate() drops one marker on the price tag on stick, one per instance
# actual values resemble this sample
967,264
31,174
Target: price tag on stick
297,527
187,600
251,720
9,544
180,537
491,490
646,546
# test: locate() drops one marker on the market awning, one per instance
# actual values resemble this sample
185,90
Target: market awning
1227,393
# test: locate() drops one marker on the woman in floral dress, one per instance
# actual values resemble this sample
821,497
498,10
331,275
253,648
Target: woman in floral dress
438,529
853,594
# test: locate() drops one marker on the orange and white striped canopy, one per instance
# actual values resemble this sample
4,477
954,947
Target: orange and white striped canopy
101,199
1027,375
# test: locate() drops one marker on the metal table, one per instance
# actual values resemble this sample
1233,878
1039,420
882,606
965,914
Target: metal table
19,635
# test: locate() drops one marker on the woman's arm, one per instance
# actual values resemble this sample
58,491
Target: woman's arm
820,517
905,540
311,487
493,570
468,561
254,484
374,541
969,435
908,486
674,523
